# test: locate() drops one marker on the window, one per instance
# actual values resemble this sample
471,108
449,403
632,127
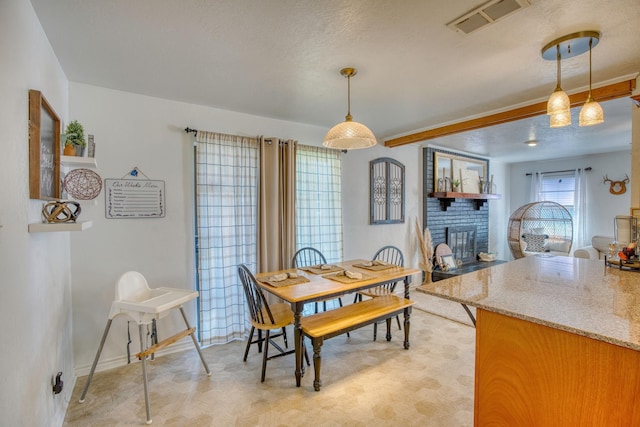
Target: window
319,201
559,187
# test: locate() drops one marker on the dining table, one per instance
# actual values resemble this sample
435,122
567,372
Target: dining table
319,284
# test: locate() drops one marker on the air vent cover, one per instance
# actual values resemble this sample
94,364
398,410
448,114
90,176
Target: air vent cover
486,14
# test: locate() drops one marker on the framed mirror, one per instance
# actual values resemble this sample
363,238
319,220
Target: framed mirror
467,171
44,149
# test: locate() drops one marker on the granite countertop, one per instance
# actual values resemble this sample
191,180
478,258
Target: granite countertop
577,295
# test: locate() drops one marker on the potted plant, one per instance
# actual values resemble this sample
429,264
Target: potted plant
73,139
455,184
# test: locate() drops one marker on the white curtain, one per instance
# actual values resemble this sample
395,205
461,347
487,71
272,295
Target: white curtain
319,200
580,210
227,169
536,187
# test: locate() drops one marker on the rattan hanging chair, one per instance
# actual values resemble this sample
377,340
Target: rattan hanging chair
540,227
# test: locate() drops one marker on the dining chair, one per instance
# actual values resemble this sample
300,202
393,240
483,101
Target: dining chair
265,318
306,257
391,255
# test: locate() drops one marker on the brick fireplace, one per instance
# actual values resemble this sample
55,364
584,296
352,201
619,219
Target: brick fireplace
467,216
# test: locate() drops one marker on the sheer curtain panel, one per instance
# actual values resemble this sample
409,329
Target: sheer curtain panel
227,173
319,200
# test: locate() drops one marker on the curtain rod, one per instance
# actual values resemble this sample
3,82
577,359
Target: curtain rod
588,168
189,130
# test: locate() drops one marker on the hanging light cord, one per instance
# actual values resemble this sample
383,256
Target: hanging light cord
590,43
558,58
348,117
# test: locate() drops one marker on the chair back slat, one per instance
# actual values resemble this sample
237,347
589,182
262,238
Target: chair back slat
308,256
257,303
392,255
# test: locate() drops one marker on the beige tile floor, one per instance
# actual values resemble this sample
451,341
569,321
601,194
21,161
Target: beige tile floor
365,383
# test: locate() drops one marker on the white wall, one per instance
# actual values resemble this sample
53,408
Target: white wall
35,301
601,204
132,130
362,240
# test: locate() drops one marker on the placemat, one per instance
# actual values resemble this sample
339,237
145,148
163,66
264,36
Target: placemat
375,267
317,269
286,282
342,278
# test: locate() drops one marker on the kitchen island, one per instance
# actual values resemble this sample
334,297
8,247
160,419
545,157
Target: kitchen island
557,341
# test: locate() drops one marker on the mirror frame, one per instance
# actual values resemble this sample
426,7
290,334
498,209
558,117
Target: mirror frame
44,149
440,156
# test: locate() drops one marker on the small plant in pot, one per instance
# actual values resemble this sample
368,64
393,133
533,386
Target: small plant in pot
73,139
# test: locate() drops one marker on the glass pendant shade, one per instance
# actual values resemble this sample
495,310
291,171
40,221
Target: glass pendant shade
349,135
560,120
559,103
591,113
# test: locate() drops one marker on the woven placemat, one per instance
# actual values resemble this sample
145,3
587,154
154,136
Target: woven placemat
286,282
317,269
342,278
375,267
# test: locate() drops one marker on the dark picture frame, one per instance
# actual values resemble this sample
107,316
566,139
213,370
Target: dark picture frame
44,148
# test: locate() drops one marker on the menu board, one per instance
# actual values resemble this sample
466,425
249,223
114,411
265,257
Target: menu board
134,198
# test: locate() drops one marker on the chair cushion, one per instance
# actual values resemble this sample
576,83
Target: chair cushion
535,242
557,246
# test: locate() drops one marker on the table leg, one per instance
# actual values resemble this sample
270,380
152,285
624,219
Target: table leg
297,337
407,313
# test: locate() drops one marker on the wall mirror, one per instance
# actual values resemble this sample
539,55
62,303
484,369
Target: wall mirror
448,168
44,149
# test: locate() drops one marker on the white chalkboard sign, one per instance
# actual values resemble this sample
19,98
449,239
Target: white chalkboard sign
134,198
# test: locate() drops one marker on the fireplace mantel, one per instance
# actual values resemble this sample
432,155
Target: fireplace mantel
446,198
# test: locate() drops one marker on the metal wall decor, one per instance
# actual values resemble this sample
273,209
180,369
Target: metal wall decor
386,191
83,184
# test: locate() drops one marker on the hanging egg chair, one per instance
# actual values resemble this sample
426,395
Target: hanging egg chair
540,227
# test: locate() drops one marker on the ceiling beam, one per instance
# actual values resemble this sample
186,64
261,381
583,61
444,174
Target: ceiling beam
604,93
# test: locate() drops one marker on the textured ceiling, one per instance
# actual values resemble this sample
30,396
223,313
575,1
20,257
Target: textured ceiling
281,59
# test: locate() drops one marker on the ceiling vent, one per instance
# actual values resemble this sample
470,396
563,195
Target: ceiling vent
486,14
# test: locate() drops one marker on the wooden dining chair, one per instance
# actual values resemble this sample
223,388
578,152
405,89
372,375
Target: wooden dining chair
265,318
391,255
309,256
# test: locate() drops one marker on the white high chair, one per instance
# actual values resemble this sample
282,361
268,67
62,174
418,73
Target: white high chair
135,299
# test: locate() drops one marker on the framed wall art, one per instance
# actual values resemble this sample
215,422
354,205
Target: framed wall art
44,149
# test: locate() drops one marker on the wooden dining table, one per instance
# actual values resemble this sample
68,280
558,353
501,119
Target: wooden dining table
321,288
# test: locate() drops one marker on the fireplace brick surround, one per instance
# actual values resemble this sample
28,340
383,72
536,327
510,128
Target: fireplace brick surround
461,212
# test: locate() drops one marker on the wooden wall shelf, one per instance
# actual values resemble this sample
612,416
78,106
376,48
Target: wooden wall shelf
78,162
446,198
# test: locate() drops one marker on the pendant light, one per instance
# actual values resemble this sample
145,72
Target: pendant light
591,112
558,105
349,135
574,44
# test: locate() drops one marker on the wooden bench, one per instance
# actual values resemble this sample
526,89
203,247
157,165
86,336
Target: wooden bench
328,324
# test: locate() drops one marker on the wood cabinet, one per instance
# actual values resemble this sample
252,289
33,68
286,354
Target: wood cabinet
533,375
